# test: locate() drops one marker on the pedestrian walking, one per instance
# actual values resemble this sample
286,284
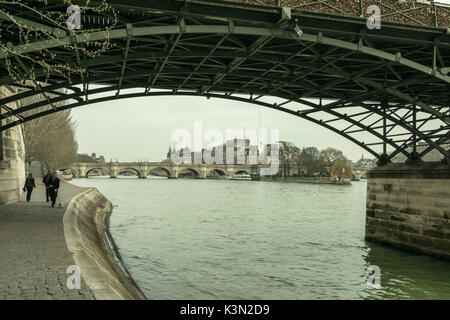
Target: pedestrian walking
29,186
54,187
45,181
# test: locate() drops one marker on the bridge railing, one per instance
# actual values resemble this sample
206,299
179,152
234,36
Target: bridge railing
414,12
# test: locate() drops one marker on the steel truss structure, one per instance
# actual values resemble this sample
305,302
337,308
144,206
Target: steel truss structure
417,12
385,90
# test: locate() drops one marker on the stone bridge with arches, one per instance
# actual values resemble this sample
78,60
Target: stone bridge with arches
173,171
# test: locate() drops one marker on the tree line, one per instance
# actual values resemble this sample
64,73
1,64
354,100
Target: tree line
310,161
50,139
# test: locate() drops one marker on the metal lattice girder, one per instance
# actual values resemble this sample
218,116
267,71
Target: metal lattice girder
215,29
230,50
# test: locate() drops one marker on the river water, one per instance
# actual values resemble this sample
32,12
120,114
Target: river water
216,239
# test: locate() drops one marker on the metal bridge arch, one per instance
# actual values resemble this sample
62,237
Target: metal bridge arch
305,115
397,96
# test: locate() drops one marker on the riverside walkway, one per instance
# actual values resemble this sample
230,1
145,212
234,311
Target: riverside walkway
33,252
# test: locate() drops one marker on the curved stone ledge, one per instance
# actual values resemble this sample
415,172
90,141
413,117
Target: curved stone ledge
86,230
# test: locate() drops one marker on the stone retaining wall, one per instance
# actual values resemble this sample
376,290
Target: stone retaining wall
408,206
12,157
87,236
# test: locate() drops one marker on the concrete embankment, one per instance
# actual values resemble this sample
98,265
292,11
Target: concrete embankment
88,239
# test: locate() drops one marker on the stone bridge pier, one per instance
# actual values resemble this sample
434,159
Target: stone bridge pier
82,171
113,172
408,207
143,171
203,173
175,172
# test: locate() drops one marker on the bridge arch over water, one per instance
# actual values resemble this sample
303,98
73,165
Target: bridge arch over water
190,171
218,172
381,89
130,169
167,171
98,168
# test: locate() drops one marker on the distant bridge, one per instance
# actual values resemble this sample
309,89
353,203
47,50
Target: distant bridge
143,169
173,171
359,172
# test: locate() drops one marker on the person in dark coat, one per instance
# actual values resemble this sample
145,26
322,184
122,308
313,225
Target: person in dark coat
54,187
29,186
45,181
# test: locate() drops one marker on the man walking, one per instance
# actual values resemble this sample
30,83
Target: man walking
54,187
46,180
29,186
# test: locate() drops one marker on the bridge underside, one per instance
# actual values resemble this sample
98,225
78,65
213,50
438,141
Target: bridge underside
385,90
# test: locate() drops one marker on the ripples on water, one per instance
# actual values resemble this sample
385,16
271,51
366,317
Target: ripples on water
214,239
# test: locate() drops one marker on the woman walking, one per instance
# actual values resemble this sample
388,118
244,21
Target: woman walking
29,186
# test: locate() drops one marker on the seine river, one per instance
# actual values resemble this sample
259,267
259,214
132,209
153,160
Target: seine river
215,239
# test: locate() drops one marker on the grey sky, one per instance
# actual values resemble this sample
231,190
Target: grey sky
141,128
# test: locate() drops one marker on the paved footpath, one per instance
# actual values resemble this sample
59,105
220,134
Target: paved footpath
33,252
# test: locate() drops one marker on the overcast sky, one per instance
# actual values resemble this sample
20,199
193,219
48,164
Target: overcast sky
141,128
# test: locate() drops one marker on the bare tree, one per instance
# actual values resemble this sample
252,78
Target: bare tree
310,159
286,153
50,139
297,159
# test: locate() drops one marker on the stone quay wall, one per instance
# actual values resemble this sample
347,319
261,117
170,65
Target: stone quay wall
86,230
12,156
408,207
